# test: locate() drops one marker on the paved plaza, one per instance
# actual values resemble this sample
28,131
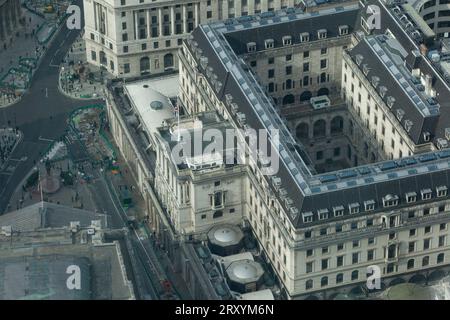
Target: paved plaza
78,79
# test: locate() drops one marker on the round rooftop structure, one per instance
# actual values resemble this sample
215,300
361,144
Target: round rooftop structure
225,239
245,275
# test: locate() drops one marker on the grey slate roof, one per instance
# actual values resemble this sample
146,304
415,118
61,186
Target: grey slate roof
308,192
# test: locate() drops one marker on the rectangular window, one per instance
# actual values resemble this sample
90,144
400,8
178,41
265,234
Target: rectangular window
426,244
370,254
340,261
305,67
441,241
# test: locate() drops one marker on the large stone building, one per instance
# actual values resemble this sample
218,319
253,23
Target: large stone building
363,128
435,13
136,37
10,15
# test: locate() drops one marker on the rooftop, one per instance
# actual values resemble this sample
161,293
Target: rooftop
217,48
152,106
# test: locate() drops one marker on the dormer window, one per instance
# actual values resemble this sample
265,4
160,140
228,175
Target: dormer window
287,40
383,91
411,197
408,125
307,217
323,214
304,37
375,81
390,101
338,211
269,43
343,30
400,114
369,205
426,194
390,200
322,34
353,208
426,136
366,69
251,47
359,58
441,191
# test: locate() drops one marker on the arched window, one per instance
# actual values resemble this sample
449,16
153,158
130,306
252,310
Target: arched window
355,275
324,281
319,128
302,131
288,99
323,92
144,65
337,124
168,60
410,264
425,261
339,278
309,284
440,258
103,59
305,96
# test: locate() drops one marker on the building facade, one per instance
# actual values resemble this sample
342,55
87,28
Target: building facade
131,38
322,217
321,232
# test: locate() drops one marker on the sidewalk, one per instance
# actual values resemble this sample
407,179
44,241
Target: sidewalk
79,79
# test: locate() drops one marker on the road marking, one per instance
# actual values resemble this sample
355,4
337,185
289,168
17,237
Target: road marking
6,174
46,92
44,139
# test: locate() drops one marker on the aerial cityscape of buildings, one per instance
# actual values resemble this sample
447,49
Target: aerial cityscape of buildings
227,150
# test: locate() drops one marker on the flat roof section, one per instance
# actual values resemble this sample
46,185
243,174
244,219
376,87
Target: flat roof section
152,106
